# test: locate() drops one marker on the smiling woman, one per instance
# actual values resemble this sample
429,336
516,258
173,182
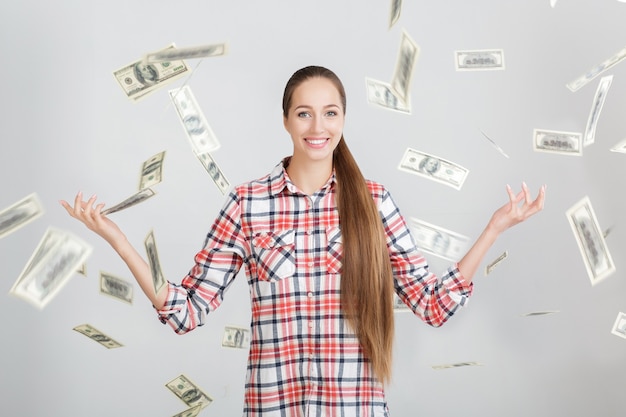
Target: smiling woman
325,250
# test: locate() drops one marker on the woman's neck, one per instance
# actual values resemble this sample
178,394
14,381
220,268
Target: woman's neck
309,176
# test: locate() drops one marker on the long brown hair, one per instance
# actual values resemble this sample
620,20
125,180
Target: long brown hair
366,275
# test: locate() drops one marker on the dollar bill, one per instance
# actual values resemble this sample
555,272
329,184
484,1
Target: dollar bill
188,392
190,412
456,365
403,72
399,306
95,334
138,78
557,142
619,147
20,214
438,241
236,337
57,257
595,253
619,327
581,81
214,171
491,266
596,108
192,52
153,260
152,171
82,269
394,15
539,313
191,116
116,287
553,3
479,60
494,144
134,199
381,94
433,168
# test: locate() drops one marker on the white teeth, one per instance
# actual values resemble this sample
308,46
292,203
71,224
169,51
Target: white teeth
316,142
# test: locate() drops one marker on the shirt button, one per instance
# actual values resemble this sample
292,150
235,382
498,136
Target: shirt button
310,294
310,324
311,264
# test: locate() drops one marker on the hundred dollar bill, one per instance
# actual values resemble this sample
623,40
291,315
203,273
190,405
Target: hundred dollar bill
619,146
153,260
236,337
394,15
191,116
456,365
593,248
190,412
563,143
491,266
136,198
95,334
596,108
403,72
152,171
597,70
192,52
540,313
214,171
494,144
188,392
20,214
619,327
479,60
399,306
57,257
381,94
139,78
116,287
434,168
438,241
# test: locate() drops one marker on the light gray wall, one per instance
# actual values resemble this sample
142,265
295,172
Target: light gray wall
66,126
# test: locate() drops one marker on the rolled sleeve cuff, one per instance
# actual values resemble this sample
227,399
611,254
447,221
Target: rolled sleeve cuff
458,288
172,304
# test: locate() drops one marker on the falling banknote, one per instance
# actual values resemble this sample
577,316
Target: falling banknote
619,327
403,72
116,287
134,199
188,392
557,142
593,248
192,52
214,171
479,60
191,116
381,94
596,70
434,168
20,214
438,241
596,108
55,260
96,335
153,260
151,171
456,365
236,337
137,79
394,15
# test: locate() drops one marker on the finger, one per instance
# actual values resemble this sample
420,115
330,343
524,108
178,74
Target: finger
98,209
67,207
527,197
89,206
77,204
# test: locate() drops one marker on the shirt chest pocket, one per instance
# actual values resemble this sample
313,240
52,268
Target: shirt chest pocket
334,251
274,254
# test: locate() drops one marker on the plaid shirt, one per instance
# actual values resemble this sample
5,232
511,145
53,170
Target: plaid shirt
304,359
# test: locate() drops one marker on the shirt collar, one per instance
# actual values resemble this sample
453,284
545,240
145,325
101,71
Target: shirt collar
279,180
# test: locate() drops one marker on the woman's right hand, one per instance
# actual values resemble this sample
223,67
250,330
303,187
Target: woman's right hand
91,216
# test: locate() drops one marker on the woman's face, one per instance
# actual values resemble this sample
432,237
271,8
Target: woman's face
315,120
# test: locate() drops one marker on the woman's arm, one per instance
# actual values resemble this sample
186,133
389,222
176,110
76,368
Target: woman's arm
505,217
91,216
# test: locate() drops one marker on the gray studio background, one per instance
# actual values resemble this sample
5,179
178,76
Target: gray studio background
66,125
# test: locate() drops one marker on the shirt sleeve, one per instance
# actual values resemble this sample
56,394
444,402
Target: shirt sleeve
216,266
434,299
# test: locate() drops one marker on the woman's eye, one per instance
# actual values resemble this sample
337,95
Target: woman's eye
304,114
331,113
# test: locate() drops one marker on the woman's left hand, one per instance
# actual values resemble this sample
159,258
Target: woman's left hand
513,212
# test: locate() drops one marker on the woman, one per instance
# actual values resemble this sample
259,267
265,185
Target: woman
324,251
